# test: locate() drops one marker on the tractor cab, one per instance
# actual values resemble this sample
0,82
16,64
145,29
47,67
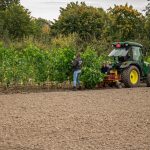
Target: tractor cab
127,51
128,66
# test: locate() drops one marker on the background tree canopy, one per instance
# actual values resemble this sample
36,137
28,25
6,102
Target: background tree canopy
127,22
5,3
17,21
148,8
41,28
86,26
85,20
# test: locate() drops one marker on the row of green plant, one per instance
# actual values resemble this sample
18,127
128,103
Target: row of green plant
36,66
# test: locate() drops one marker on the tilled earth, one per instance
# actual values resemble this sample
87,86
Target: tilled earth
111,119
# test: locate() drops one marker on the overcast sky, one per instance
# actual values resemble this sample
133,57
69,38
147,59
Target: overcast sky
49,9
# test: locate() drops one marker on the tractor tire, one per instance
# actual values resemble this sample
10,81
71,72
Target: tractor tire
131,77
148,80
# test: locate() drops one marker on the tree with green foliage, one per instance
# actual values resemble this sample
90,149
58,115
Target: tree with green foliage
41,29
147,26
147,9
84,20
91,74
17,21
6,3
127,23
1,23
146,37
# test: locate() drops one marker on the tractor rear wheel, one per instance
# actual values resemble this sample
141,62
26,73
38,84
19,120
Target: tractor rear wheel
148,80
131,77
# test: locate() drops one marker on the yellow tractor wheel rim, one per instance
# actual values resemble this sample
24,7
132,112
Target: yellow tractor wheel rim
134,77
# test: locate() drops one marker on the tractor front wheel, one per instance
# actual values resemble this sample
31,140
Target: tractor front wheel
148,80
131,77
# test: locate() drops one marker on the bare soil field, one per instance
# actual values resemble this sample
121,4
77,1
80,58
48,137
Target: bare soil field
111,119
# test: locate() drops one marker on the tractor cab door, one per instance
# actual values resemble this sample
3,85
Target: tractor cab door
134,54
138,57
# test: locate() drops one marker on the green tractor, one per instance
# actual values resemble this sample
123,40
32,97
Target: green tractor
128,66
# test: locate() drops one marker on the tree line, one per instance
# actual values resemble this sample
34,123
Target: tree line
87,25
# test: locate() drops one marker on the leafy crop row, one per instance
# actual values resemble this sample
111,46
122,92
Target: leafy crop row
36,66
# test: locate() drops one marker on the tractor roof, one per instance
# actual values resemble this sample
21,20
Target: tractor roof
128,43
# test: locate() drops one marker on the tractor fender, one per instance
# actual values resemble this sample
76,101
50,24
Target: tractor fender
130,63
126,64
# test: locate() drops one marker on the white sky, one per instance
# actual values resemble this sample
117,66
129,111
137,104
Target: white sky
49,9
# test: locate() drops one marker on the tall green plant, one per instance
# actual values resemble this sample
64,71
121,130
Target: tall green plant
61,64
91,74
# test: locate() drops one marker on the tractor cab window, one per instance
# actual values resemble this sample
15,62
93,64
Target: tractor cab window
119,52
136,53
132,53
